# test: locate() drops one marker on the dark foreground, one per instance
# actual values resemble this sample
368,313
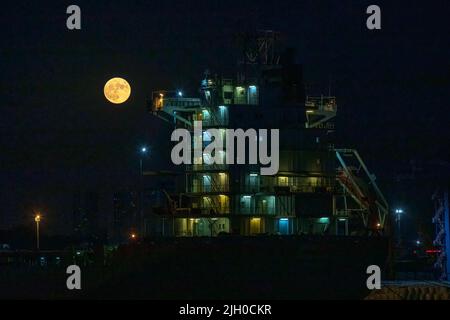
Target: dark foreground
297,267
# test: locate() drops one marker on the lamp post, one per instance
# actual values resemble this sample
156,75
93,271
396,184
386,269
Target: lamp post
398,213
37,219
143,152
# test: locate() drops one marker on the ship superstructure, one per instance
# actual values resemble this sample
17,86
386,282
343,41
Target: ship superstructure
319,189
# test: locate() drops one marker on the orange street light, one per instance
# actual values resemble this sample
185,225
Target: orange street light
37,219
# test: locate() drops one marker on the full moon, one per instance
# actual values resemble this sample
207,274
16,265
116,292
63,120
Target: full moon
117,90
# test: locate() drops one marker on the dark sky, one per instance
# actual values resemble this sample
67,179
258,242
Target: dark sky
58,133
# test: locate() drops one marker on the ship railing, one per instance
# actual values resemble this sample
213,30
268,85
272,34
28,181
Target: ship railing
207,167
212,207
307,188
322,103
181,102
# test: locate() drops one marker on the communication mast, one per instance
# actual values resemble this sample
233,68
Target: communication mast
259,49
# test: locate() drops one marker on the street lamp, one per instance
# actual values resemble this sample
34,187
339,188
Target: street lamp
143,152
37,219
398,213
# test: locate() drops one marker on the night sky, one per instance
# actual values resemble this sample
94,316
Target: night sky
59,134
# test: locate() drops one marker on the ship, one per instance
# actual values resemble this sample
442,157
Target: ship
308,231
319,188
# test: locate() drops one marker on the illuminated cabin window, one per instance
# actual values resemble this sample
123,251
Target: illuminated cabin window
197,185
206,202
253,179
205,114
246,204
312,181
222,181
224,203
324,220
253,95
206,136
206,183
266,205
263,205
214,182
240,96
208,96
223,115
283,181
283,226
158,103
216,204
255,226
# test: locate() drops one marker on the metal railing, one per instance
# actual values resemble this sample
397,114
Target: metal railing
322,103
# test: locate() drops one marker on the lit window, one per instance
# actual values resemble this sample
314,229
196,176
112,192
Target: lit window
206,136
324,220
283,181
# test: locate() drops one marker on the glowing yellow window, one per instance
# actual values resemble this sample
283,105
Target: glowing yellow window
255,225
283,181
